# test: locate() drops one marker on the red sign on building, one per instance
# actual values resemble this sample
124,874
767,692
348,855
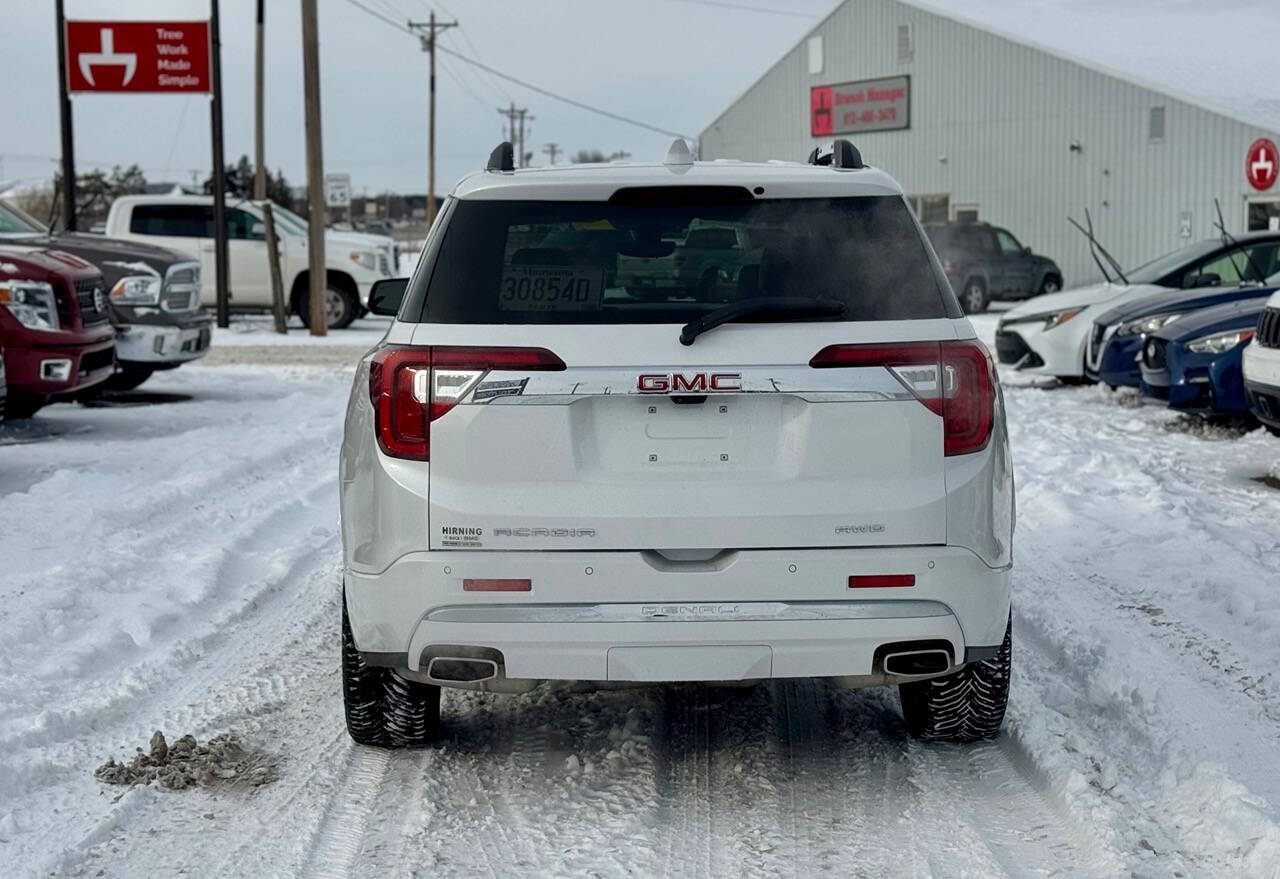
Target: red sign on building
138,56
1262,164
857,107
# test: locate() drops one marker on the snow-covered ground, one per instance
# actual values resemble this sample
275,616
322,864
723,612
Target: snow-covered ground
175,566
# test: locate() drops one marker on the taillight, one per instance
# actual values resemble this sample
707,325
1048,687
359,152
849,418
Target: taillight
412,386
954,379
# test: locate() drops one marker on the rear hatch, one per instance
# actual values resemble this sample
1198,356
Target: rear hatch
564,412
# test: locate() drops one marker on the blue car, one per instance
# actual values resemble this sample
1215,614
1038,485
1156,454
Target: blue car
1193,364
1116,338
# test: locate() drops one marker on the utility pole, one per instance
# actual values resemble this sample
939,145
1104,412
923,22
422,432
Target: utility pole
259,165
428,41
315,169
552,150
510,113
523,160
221,267
515,135
64,114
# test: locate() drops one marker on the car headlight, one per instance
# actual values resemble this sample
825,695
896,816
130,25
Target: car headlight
136,290
1058,318
1146,325
365,259
31,302
1220,343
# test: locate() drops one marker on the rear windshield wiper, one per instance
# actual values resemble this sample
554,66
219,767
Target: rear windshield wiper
782,307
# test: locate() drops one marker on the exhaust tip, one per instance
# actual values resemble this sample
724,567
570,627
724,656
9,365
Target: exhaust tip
461,669
914,658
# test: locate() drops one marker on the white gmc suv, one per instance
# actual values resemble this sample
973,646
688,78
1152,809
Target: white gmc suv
795,469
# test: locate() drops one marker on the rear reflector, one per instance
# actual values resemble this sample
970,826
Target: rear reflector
497,585
954,379
881,581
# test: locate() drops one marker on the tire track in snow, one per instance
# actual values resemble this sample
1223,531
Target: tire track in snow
338,841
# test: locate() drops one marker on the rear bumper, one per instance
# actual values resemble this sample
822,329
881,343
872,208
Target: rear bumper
631,616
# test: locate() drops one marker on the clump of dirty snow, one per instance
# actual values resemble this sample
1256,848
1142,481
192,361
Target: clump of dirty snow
187,763
1125,398
1206,429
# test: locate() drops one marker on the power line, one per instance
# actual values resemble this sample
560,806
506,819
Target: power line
524,84
558,97
376,14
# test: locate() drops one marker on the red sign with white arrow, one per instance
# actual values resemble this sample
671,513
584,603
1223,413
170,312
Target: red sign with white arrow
138,56
1262,164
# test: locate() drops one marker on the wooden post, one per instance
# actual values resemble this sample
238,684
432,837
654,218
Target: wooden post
278,309
259,163
64,115
316,319
221,263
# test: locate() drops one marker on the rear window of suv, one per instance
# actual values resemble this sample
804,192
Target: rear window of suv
555,262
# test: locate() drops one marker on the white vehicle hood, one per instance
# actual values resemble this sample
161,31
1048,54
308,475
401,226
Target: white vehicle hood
1078,297
360,240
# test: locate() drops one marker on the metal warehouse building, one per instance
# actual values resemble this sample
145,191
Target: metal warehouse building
1143,119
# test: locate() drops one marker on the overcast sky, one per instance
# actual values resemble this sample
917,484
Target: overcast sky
673,63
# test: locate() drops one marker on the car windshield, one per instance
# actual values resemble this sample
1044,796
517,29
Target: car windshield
517,262
15,222
1150,272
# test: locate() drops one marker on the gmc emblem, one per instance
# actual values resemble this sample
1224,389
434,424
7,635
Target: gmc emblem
679,383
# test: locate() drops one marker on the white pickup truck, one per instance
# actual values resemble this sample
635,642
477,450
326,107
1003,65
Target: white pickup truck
354,261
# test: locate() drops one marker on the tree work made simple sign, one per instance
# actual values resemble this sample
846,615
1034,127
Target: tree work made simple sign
138,56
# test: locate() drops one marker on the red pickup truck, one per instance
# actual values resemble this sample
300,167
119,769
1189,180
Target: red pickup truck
54,327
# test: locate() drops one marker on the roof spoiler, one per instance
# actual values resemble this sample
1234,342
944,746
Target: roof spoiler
503,158
841,154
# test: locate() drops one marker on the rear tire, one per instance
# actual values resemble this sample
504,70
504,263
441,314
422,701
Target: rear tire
382,708
341,307
965,706
974,298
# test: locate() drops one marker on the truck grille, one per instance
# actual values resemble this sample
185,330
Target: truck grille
91,297
1155,354
384,264
181,290
1269,328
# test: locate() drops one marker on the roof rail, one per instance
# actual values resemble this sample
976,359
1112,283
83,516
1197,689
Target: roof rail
841,154
503,158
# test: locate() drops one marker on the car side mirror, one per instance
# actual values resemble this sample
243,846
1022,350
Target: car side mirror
1208,279
1027,251
386,295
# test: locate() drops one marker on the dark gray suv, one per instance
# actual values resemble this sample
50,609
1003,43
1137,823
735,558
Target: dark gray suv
984,262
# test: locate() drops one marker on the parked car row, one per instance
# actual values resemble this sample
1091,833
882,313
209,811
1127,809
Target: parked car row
85,313
1186,329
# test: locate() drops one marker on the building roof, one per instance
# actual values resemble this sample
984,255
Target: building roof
1217,55
597,182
